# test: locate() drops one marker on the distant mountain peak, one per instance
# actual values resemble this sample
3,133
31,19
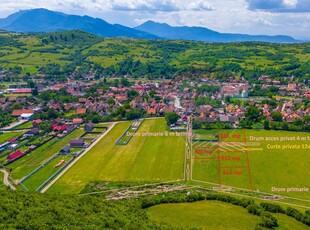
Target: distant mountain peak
44,20
197,33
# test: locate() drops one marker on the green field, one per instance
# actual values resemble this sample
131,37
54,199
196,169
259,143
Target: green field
18,95
26,125
214,215
4,137
143,159
33,182
288,223
27,164
255,163
91,135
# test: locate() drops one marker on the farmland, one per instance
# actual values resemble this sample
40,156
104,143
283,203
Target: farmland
43,174
263,161
4,137
27,164
25,125
152,158
214,215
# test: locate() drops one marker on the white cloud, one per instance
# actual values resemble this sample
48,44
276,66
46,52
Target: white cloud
271,17
290,3
164,5
281,6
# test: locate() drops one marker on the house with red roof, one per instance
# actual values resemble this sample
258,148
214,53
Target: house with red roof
57,128
81,111
18,112
15,155
36,122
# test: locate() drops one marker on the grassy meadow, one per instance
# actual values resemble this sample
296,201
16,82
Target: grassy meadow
142,159
214,215
271,161
4,137
37,179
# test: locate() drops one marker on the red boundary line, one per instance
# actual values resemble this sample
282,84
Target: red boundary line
205,158
219,157
237,151
234,167
247,156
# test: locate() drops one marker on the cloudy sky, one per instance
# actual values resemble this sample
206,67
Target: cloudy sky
272,17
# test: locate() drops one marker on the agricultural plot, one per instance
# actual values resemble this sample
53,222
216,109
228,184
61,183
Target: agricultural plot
129,132
91,135
99,129
102,125
37,179
25,125
4,137
30,162
144,158
268,161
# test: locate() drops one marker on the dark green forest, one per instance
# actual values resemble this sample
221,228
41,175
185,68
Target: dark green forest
21,210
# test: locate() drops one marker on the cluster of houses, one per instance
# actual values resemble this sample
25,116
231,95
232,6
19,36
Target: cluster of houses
58,129
170,96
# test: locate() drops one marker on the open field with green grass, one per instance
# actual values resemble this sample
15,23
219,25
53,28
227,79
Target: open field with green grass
102,125
26,125
205,134
99,129
215,215
18,95
28,163
263,161
33,182
4,137
143,159
288,223
91,135
206,215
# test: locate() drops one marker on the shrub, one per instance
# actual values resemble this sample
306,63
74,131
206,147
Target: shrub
268,220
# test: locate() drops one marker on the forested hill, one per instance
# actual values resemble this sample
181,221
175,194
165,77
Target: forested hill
20,210
59,54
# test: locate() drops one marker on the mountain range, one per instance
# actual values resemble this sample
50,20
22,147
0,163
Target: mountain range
43,20
206,35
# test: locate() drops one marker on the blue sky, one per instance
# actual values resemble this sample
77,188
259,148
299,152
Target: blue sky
271,17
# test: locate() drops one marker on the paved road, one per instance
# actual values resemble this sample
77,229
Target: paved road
79,157
6,180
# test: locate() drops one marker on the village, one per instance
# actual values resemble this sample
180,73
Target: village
207,100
